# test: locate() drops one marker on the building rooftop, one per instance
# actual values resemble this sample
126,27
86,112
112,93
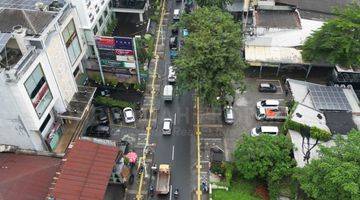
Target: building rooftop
34,21
273,18
25,177
340,122
316,9
300,148
86,171
31,4
310,117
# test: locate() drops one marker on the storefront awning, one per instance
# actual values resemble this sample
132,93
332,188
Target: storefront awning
79,104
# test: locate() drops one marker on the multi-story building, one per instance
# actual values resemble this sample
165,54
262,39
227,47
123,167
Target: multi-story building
41,58
94,16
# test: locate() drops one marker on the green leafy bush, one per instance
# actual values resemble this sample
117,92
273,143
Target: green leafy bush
110,102
319,134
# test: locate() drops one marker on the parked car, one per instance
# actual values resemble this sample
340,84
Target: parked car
176,15
171,75
129,115
260,130
116,114
173,53
269,103
174,32
167,126
267,87
101,131
228,115
173,43
102,115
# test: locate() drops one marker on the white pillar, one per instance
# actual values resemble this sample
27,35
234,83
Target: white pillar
141,17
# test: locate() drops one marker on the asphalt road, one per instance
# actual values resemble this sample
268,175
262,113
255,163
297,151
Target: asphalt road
176,149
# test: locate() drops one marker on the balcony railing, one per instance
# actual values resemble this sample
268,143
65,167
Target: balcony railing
129,4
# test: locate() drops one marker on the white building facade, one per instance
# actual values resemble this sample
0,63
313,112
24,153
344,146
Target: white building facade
39,84
94,16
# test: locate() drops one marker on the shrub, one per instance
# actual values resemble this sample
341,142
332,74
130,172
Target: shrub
319,134
218,168
110,102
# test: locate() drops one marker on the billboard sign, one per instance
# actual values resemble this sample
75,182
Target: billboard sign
116,51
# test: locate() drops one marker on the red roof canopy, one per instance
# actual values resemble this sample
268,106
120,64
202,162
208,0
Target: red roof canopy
26,177
85,174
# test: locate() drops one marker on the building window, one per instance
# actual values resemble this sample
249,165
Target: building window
75,73
44,124
95,30
38,91
105,13
100,21
72,41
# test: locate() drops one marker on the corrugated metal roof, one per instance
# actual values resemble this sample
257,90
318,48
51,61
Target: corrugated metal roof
285,55
86,171
26,176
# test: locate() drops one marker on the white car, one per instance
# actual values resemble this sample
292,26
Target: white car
260,130
172,75
129,116
228,115
270,103
167,126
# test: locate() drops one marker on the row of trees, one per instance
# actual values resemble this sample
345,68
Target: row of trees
335,175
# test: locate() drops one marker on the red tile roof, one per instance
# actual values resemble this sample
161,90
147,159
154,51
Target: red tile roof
26,177
86,172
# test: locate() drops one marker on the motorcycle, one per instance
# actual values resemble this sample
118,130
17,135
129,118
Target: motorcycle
176,193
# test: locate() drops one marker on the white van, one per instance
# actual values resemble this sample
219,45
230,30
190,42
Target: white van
270,103
176,15
260,130
167,126
168,93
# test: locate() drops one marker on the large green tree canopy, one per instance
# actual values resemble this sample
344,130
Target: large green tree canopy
265,156
336,174
218,3
337,41
210,60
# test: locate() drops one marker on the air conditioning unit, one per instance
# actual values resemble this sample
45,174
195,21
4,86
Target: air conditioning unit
10,75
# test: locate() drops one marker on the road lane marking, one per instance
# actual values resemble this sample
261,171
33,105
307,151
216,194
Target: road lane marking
175,119
151,109
170,196
172,153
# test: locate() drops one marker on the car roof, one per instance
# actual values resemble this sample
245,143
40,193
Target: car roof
102,128
269,129
229,113
176,11
272,102
265,84
167,122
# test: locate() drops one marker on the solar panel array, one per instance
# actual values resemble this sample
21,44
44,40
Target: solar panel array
23,4
329,98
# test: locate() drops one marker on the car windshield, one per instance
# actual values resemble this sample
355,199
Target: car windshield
258,129
263,103
257,111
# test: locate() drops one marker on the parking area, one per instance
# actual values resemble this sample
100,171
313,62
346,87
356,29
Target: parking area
244,111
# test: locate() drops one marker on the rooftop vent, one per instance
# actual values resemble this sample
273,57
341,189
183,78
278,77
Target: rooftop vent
298,115
40,5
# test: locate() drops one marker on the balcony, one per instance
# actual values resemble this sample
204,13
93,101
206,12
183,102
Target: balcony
17,64
129,4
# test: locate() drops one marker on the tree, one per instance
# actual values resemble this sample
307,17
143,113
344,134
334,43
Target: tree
218,3
337,41
336,174
265,157
210,60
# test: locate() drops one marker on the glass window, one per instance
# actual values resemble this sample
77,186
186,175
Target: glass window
38,91
95,30
100,21
72,41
